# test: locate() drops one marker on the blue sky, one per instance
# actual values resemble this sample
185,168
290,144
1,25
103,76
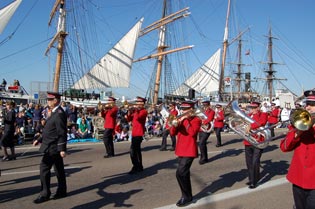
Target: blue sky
22,57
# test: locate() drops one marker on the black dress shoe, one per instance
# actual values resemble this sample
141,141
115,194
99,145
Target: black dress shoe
201,162
163,149
252,186
218,145
59,195
5,158
108,156
172,149
135,170
183,202
40,199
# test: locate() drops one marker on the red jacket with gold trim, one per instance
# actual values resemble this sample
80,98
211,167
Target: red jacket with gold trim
138,118
110,116
187,132
261,120
302,168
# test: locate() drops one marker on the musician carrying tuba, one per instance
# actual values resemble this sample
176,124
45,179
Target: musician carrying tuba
253,153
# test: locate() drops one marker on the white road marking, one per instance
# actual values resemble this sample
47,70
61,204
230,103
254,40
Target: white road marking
230,194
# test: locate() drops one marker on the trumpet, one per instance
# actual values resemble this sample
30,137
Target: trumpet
174,120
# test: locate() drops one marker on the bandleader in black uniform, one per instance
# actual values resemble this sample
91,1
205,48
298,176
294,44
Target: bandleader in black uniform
54,144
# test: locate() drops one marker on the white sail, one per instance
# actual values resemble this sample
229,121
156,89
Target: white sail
7,12
205,80
113,70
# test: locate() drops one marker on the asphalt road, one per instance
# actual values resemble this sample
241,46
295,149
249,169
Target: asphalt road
96,182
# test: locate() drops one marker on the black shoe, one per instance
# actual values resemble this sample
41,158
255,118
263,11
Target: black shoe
201,162
218,145
183,202
40,199
252,186
172,149
5,158
163,149
59,196
135,170
108,156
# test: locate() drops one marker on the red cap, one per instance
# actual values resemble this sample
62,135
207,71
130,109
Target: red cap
53,95
310,95
113,99
187,104
141,99
254,104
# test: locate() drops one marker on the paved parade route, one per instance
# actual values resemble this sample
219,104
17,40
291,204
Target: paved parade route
95,182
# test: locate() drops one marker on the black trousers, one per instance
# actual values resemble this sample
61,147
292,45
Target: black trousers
303,198
135,153
252,156
46,164
183,176
165,134
203,137
218,135
108,141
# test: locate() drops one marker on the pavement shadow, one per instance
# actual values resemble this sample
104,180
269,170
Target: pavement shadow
271,169
226,153
233,141
225,181
13,194
119,198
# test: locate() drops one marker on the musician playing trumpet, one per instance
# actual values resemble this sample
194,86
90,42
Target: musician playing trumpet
252,153
301,172
186,149
109,113
205,131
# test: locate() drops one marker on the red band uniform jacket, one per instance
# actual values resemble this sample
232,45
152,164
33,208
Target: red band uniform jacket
110,116
219,119
302,167
274,115
210,116
261,120
138,118
187,132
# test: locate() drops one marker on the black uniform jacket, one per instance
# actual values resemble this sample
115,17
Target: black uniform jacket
55,133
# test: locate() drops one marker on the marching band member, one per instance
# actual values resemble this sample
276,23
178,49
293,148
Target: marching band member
54,146
109,113
253,154
218,123
172,113
274,116
186,149
205,131
302,169
137,117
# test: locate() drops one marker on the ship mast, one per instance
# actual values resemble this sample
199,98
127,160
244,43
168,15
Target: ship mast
161,52
59,38
225,45
161,47
270,72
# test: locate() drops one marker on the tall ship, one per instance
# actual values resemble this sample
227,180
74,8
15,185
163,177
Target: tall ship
156,57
